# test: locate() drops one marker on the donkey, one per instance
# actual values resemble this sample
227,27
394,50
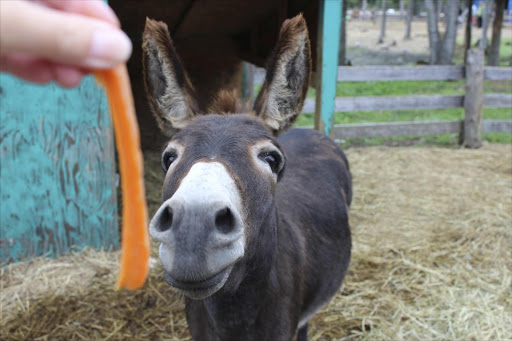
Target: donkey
253,228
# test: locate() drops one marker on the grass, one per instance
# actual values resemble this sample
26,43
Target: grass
505,51
405,88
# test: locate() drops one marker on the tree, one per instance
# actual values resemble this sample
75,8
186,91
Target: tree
486,18
442,48
494,52
410,7
469,25
363,9
383,23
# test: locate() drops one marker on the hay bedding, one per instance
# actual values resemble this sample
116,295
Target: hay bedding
431,261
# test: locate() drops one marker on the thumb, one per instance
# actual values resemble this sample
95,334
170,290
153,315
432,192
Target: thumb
61,37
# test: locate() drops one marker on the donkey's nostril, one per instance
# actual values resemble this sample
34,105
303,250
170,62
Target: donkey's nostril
164,221
224,220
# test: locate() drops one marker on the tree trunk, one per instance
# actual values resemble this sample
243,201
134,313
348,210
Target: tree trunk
342,57
401,8
439,9
494,52
486,18
447,47
469,25
383,23
433,32
363,9
410,7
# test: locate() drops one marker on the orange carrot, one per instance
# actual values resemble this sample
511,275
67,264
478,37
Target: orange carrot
135,240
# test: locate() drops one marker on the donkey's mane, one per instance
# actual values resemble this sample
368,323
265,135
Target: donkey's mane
228,102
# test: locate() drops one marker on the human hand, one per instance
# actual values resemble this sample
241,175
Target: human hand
59,40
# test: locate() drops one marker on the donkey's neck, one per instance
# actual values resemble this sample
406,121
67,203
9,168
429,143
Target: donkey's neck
236,312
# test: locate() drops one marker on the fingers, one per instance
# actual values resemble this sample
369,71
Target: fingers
92,8
67,76
28,68
60,37
41,71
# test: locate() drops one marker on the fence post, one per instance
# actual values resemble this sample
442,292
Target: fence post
328,40
473,99
248,83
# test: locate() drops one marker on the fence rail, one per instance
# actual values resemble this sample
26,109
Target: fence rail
471,127
349,104
397,73
366,130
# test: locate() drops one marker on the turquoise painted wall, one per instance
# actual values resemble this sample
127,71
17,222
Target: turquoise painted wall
57,170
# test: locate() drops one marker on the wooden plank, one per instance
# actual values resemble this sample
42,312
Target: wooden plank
395,73
345,104
498,73
57,175
473,100
350,104
497,126
327,63
365,130
497,101
386,129
248,83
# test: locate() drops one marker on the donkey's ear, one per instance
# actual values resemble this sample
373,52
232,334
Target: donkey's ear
282,95
168,88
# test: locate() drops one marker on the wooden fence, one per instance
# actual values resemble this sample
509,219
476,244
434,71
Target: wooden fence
473,100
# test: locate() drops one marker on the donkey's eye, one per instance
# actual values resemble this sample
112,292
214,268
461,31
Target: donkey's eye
167,159
273,159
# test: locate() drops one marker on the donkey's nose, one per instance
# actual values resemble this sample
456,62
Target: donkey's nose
163,219
174,219
224,220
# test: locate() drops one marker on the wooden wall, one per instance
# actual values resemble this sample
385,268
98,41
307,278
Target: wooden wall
57,170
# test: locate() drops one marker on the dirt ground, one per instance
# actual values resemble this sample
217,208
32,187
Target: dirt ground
431,260
363,47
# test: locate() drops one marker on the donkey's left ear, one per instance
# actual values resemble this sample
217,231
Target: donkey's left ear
286,83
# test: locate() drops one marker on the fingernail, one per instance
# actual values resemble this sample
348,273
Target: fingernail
108,48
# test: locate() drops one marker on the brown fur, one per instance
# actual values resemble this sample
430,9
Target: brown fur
292,53
158,50
227,102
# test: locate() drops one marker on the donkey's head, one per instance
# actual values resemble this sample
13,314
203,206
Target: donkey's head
218,221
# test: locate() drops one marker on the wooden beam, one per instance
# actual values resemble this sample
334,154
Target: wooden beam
350,104
365,130
497,101
497,126
329,24
387,129
398,102
396,73
498,73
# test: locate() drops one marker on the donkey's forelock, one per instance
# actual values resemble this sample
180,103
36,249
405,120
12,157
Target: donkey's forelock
228,102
